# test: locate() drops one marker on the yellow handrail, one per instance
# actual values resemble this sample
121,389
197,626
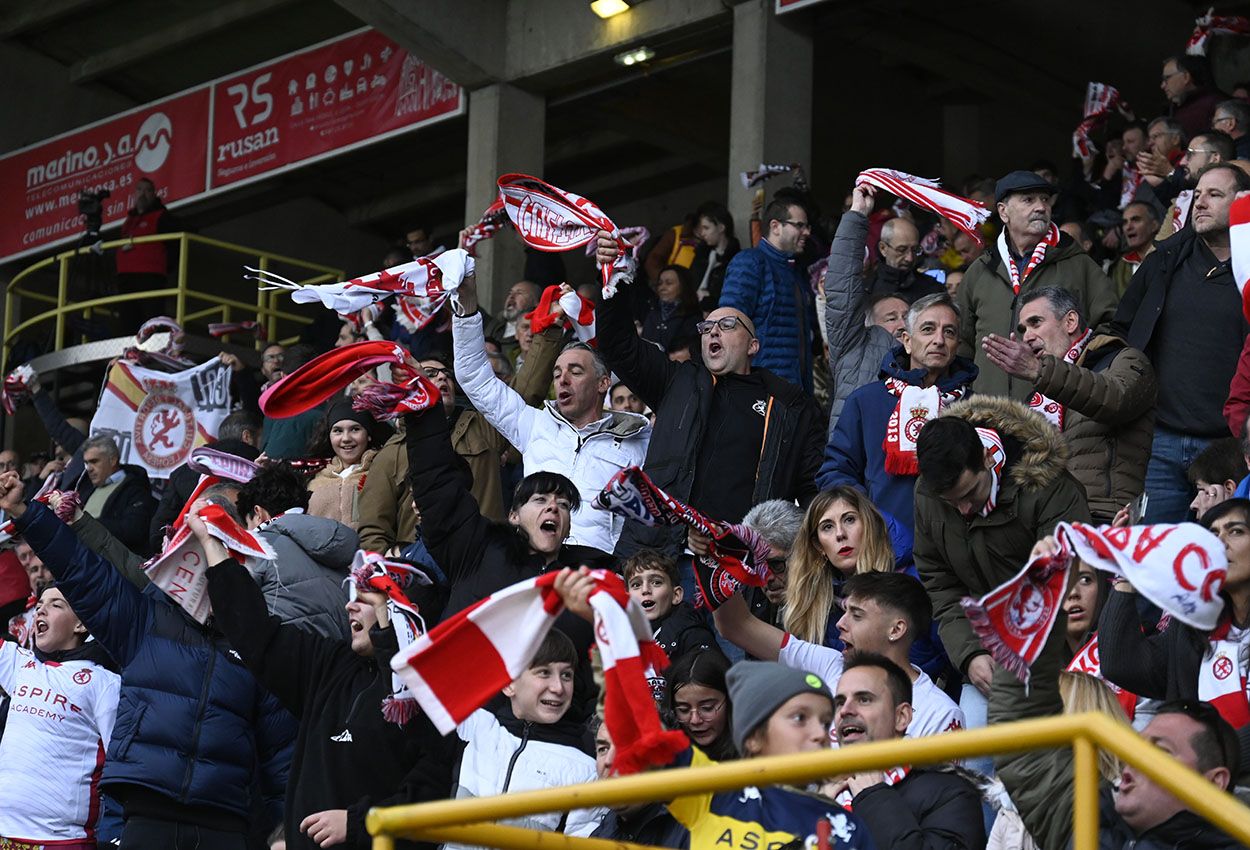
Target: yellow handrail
469,821
23,302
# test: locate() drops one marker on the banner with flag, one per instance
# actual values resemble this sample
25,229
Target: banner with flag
157,418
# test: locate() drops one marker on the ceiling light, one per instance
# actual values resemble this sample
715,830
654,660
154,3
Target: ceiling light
634,57
608,8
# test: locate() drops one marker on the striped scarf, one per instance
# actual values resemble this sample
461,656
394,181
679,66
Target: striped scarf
1050,409
1039,254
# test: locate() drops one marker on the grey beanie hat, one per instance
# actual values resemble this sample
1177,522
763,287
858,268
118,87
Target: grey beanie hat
758,688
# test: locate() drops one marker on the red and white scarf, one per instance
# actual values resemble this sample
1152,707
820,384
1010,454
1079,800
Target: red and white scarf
214,467
327,375
1088,661
420,287
915,407
181,569
1222,676
16,389
373,572
751,179
497,638
1212,24
1239,241
998,456
385,402
1100,100
737,555
1050,409
966,214
578,315
551,219
891,777
219,329
1018,278
487,226
1130,180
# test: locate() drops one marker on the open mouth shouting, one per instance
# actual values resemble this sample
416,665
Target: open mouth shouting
851,731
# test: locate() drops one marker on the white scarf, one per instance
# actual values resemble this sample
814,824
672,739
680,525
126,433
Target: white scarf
991,441
1052,410
1039,254
1222,675
919,405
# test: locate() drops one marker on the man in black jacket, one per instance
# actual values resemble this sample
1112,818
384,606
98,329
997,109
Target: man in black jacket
1183,310
727,436
903,807
118,495
347,757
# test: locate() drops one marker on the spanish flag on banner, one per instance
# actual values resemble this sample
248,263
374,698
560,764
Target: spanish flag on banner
157,418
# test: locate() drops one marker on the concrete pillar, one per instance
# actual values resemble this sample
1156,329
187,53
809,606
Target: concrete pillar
507,127
771,108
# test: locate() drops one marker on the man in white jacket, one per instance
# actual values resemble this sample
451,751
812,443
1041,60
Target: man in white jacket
572,435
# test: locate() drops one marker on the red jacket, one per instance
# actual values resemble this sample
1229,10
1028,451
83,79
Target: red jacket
1238,404
145,258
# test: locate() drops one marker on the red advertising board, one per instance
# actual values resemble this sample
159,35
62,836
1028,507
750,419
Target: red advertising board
351,91
167,142
327,99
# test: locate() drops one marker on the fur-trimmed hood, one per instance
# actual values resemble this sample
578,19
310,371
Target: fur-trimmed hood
1036,451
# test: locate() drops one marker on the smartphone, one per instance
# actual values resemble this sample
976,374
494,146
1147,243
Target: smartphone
1137,509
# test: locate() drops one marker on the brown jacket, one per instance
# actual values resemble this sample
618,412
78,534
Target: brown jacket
1109,395
385,505
957,557
335,496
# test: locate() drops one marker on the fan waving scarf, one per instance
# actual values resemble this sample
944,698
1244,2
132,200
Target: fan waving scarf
1100,99
965,214
1239,236
737,555
1212,24
487,226
553,220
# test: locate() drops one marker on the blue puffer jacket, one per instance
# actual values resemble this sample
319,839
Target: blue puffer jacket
193,725
855,454
763,283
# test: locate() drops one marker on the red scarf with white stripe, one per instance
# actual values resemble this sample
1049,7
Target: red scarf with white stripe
1222,675
497,638
1239,242
1100,99
1039,253
578,315
1050,409
966,214
1130,180
1211,24
373,572
891,777
915,407
1088,661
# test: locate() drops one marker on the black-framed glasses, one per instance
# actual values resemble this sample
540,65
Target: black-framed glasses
725,323
777,565
432,372
798,225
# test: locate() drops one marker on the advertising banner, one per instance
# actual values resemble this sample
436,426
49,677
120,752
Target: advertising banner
167,142
327,99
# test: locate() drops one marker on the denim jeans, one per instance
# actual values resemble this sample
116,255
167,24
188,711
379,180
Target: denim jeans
1167,486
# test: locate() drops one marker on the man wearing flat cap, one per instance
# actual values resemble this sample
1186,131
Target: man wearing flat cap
1029,254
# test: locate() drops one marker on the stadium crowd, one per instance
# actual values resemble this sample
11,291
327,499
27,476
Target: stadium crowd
894,413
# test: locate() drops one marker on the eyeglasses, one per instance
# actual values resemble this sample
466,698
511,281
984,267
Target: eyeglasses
705,710
433,372
725,323
909,250
798,225
272,358
777,565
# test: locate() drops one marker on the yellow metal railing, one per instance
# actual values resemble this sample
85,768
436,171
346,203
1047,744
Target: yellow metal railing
192,303
468,821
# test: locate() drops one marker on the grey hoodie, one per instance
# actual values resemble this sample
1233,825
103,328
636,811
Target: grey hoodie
304,584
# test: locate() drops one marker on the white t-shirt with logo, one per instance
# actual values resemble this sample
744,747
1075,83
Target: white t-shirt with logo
933,712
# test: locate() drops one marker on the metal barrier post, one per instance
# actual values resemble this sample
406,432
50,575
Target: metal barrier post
1085,794
62,295
180,308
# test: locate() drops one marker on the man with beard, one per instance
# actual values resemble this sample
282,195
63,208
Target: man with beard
522,298
1173,185
1184,311
1029,254
861,328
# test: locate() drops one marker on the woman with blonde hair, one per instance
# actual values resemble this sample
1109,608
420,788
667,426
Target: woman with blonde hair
842,534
